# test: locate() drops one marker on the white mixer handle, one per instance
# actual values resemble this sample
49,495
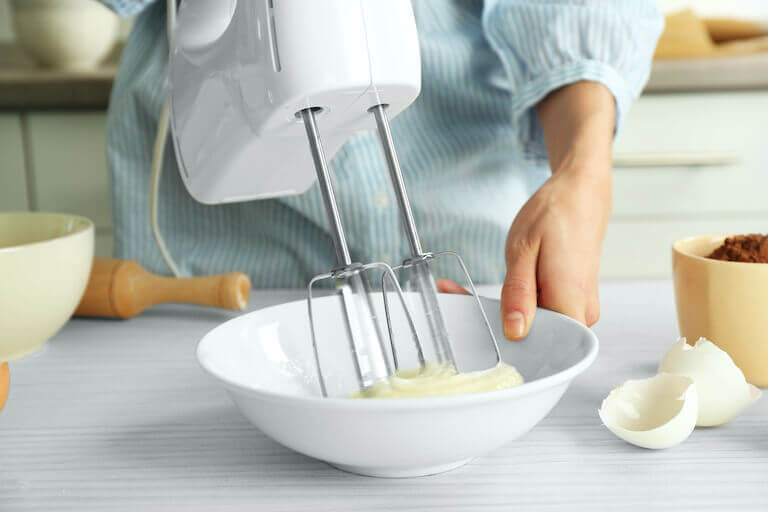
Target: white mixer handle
239,73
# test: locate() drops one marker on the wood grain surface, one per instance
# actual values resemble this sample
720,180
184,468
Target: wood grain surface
117,415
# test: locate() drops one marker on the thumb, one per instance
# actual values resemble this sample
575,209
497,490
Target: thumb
518,294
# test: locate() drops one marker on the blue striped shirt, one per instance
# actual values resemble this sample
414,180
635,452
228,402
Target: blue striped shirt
471,146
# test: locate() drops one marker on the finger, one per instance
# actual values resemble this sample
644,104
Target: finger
565,294
518,294
448,286
592,314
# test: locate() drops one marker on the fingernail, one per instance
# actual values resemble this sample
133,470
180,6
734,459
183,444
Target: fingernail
514,325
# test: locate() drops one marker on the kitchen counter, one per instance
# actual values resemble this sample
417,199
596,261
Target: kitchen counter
23,85
709,74
115,415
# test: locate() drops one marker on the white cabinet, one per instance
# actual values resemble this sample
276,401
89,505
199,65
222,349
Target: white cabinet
693,126
56,161
655,205
13,180
68,164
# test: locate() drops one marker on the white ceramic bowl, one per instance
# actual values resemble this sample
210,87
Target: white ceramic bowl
265,361
45,262
67,34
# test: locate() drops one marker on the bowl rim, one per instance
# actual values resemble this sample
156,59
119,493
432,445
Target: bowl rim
389,404
676,249
86,226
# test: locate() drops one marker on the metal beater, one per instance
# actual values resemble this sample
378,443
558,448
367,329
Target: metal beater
363,328
373,360
421,281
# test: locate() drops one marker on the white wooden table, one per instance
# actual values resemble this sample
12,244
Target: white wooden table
116,415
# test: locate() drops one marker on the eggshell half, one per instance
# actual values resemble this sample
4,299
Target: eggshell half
654,413
723,391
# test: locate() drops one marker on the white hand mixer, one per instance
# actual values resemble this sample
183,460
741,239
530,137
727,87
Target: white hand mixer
251,81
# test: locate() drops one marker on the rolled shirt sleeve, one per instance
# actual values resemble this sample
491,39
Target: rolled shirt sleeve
127,8
546,44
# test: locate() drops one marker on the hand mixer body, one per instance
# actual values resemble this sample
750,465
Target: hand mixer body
251,82
240,71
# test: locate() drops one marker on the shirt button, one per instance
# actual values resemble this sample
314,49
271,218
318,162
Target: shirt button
381,200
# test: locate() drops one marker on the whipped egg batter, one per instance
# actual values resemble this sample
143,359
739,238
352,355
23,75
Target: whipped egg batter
436,379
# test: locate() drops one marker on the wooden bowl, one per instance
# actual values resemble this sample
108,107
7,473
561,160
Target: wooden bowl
723,301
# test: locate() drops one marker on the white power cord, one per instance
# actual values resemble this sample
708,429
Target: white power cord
157,159
154,187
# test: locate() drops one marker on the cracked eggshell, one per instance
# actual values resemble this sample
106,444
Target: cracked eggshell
654,413
722,389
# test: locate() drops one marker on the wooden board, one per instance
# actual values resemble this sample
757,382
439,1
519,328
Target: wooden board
24,85
710,74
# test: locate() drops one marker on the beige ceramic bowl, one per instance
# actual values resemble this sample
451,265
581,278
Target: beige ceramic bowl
45,261
723,301
66,34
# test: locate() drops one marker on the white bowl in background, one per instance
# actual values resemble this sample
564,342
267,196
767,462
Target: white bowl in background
45,262
265,361
65,34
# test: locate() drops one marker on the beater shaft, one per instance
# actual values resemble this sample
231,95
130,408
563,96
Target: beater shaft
326,188
424,282
401,194
363,331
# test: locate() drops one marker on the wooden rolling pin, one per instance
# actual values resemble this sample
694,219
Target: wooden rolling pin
122,289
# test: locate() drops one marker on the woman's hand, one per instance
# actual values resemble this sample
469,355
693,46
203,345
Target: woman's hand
553,251
554,244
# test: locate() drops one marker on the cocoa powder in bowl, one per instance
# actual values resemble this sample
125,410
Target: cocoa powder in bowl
743,248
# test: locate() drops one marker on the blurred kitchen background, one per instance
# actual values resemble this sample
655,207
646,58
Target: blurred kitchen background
692,159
